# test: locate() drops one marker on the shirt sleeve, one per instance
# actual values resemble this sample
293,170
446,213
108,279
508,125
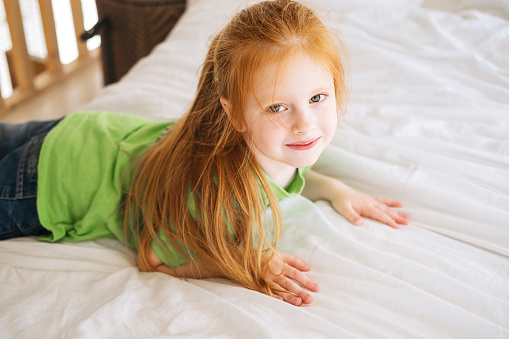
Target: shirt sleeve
165,251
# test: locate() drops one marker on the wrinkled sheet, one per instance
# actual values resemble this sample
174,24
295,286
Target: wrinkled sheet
427,124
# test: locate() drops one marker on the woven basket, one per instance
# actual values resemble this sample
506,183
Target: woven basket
132,29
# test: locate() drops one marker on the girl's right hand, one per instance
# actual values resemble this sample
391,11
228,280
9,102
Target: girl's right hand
285,273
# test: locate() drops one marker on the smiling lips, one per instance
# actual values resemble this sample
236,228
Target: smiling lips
305,145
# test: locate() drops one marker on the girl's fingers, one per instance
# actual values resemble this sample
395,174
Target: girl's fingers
277,296
286,280
383,213
390,203
379,209
302,279
278,290
293,261
298,295
382,216
291,286
351,215
400,218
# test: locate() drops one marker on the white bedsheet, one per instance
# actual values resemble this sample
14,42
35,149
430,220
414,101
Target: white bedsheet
428,124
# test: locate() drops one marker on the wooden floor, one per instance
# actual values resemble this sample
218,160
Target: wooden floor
61,98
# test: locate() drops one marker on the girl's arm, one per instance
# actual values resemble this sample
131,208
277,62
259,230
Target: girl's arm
190,270
353,205
285,272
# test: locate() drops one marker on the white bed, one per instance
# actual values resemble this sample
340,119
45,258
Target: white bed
427,124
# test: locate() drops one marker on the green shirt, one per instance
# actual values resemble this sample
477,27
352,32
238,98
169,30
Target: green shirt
82,173
85,167
294,188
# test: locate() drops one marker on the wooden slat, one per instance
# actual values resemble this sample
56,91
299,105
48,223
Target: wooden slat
79,27
50,34
28,85
46,79
22,67
2,104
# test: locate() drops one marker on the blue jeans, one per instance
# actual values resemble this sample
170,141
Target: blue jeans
20,146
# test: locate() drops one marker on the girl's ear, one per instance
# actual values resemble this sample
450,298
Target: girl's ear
239,124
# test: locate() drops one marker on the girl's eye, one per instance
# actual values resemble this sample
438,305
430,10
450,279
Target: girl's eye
276,108
317,98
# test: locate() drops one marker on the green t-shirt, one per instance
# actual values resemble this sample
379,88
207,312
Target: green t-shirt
294,188
85,168
82,173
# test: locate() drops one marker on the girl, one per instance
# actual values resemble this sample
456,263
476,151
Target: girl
192,195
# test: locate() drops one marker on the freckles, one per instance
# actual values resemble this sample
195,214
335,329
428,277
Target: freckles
273,128
331,123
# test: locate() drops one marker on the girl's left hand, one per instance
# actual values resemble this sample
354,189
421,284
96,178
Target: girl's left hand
354,205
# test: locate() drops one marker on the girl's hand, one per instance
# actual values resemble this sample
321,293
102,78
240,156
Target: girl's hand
285,274
351,204
354,205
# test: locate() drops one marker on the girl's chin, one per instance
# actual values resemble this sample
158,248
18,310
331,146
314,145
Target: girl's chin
299,163
305,158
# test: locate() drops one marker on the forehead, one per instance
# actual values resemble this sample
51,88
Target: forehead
301,75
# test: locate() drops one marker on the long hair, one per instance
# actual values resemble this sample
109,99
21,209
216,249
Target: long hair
204,161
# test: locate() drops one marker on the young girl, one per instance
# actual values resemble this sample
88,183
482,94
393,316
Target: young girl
191,195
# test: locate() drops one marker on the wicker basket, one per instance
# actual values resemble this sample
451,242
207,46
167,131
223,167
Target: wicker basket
130,29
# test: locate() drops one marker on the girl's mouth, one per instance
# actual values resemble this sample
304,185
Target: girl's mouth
305,145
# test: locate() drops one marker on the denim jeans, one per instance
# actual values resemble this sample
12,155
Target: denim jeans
20,146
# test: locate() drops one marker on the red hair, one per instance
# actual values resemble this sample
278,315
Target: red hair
204,158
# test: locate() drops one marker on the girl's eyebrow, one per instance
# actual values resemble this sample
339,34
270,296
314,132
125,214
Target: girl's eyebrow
323,89
275,98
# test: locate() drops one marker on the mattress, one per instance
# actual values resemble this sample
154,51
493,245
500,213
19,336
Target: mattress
427,124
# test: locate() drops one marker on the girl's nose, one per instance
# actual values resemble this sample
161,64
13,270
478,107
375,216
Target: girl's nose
302,122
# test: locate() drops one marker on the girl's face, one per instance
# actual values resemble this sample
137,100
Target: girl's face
290,117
